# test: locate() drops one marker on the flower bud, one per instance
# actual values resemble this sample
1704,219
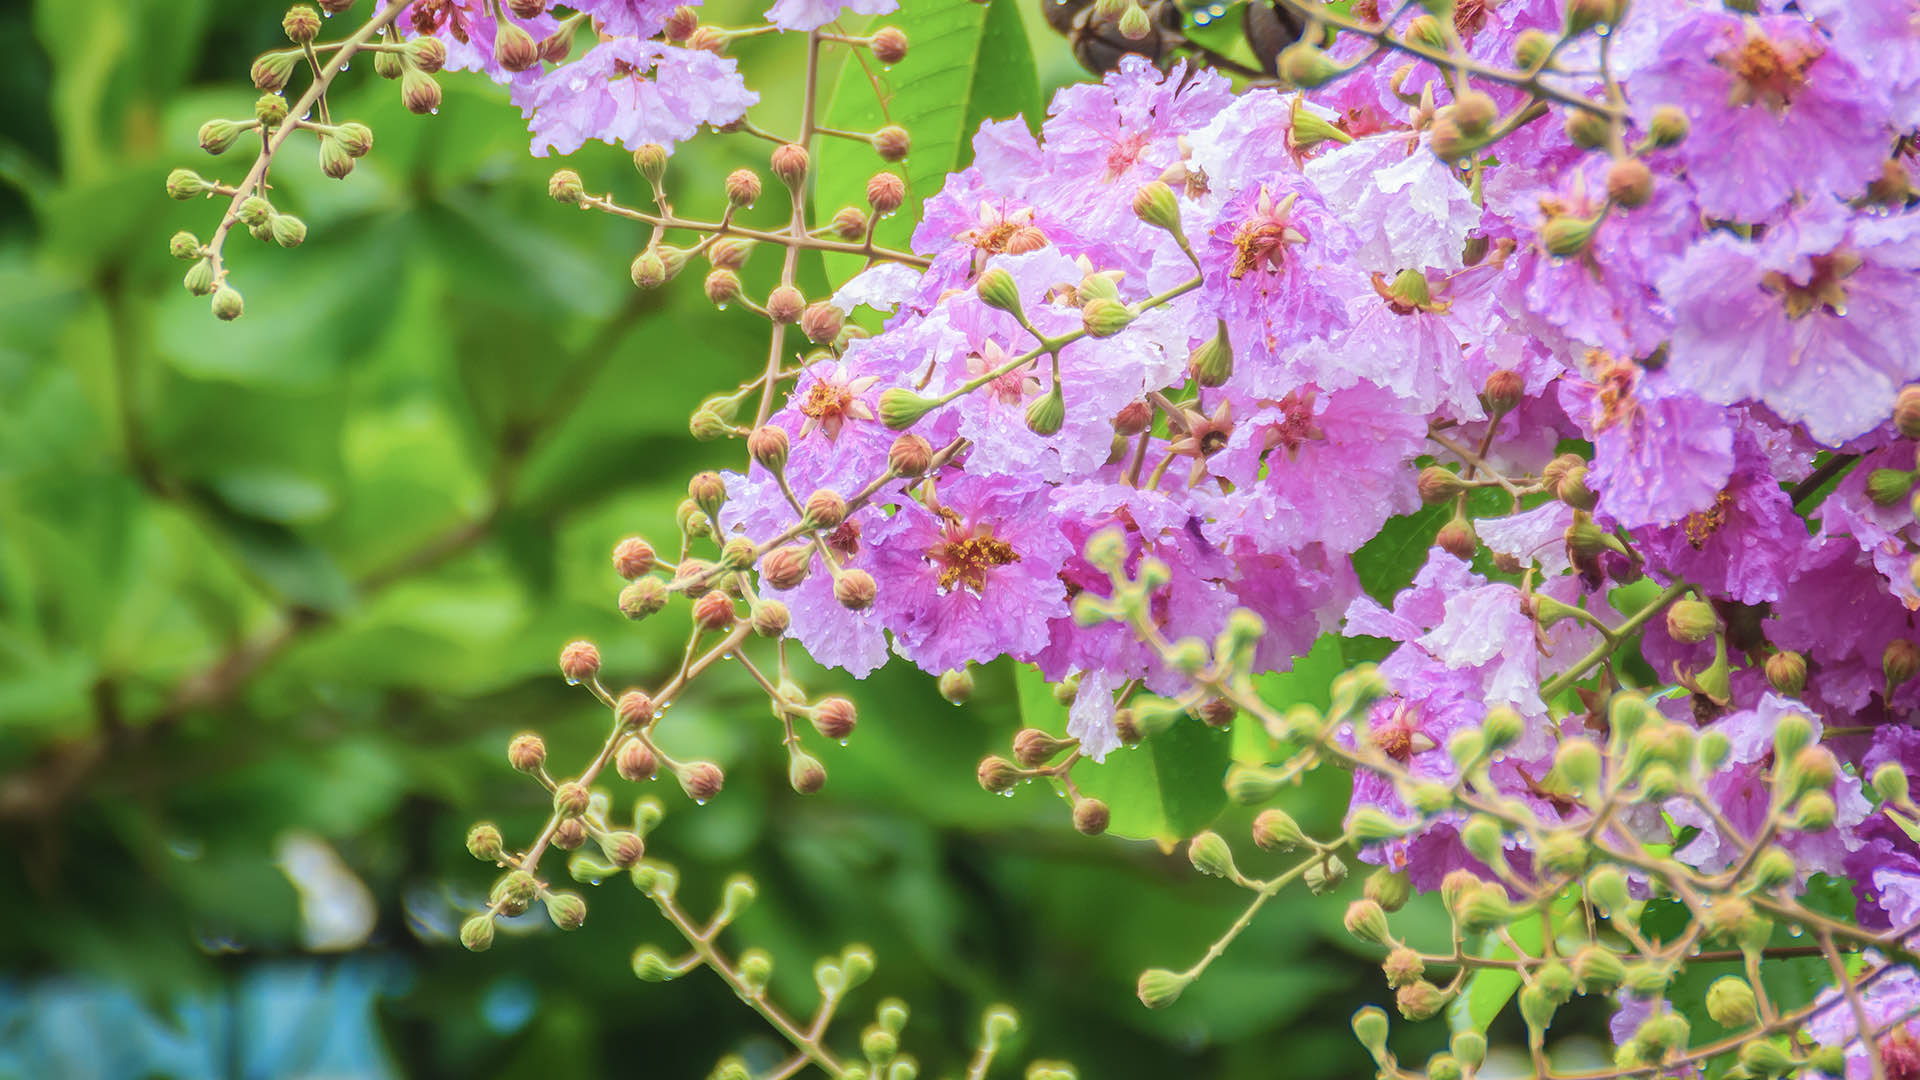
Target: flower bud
1502,727
1772,869
854,590
885,192
1456,538
997,775
834,718
892,142
1503,392
526,753
1325,876
1730,1002
513,48
1585,15
1587,130
1764,1057
199,277
1439,484
652,965
1815,813
790,163
1474,111
648,270
579,662
1900,661
1568,236
1160,988
217,136
569,834
485,843
568,910
1531,49
301,25
228,305
1211,362
714,611
1403,966
1485,908
1889,486
1420,1000
636,761
825,509
956,686
1787,673
419,92
901,408
565,187
1667,126
1307,66
270,109
1598,968
1537,1007
1046,413
743,187
1154,203
184,184
1370,1028
770,618
784,304
1691,621
476,933
1105,318
998,290
1890,783
1090,817
1629,182
1366,921
1210,855
1275,830
428,53
1906,412
643,597
805,774
288,231
1134,24
272,70
701,780
821,322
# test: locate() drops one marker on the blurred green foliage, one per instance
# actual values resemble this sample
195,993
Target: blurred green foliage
309,572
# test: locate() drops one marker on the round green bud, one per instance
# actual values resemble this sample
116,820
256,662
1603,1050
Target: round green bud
652,965
1730,1001
477,933
1159,987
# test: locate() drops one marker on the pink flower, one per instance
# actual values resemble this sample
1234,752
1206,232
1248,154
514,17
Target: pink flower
814,14
631,92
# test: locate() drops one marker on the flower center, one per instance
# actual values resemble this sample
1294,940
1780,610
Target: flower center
1012,388
1296,424
965,559
845,540
1396,735
1263,239
1124,155
1825,287
1702,524
1008,234
1470,15
1765,73
1900,1054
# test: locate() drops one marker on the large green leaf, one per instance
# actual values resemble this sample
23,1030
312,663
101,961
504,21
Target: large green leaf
968,62
1164,790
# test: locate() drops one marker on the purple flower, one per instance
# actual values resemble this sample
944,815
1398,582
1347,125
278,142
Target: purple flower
1888,534
628,18
1893,994
1746,546
1820,320
814,14
1660,454
631,92
1775,110
1090,719
1881,37
1406,206
467,29
971,576
1276,268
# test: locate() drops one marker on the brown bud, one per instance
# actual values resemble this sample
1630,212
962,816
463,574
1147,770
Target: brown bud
770,618
1438,483
834,718
428,53
527,752
1474,112
514,48
1090,817
786,567
636,762
722,287
1787,673
997,774
681,24
790,163
1403,967
419,92
826,509
570,834
892,142
889,45
1457,539
642,597
1573,490
570,799
849,223
1503,391
624,848
701,780
1133,418
635,709
1217,712
885,192
805,773
768,446
1906,412
821,322
1556,470
527,9
1034,748
1900,661
743,187
707,38
579,661
707,491
910,455
1629,182
632,557
785,304
555,47
854,590
713,611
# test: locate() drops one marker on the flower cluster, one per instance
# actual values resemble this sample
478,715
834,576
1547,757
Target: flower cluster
1628,301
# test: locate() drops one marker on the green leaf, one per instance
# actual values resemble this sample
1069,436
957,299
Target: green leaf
968,62
1164,790
1388,562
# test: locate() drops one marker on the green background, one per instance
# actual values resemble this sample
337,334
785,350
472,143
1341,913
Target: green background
309,572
